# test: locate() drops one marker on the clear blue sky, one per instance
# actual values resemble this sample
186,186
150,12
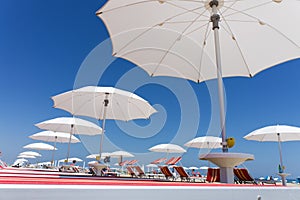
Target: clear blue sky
43,46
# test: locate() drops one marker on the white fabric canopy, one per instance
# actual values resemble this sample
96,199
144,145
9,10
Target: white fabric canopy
209,142
31,153
88,101
64,124
167,148
175,38
40,146
50,136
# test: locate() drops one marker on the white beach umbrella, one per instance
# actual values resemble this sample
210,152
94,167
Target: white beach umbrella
30,153
204,167
51,136
70,125
209,142
187,39
20,162
167,148
104,103
120,155
95,156
277,133
194,168
40,146
71,159
26,156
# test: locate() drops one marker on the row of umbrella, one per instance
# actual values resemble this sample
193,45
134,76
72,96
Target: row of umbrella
276,133
98,102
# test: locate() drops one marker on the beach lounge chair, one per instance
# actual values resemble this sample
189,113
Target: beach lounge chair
131,171
166,172
185,176
157,161
242,175
268,180
131,162
123,162
173,161
140,172
213,175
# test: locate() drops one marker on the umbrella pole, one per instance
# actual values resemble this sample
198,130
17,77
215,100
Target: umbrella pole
106,101
52,161
215,18
68,153
280,152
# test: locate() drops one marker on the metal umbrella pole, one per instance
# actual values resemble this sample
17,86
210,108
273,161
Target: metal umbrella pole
71,133
106,102
281,172
52,161
280,152
215,19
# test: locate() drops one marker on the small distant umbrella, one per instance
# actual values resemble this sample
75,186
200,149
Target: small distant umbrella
277,133
209,142
20,162
121,155
194,168
51,136
71,159
95,156
31,153
70,125
204,168
40,146
26,156
167,148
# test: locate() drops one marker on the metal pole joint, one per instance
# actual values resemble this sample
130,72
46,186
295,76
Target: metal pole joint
215,19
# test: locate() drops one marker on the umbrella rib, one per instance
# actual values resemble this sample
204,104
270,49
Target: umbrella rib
229,31
260,21
207,33
178,38
243,11
149,29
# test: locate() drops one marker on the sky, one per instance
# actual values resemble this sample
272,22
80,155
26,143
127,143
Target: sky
50,47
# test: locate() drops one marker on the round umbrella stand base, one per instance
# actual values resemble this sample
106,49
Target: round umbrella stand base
226,162
283,178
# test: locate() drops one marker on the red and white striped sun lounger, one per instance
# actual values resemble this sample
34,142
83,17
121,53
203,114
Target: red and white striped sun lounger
173,161
157,161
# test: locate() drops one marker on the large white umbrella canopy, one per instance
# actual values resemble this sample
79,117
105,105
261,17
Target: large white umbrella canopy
208,142
89,101
30,153
202,40
167,148
39,146
276,133
104,103
70,125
